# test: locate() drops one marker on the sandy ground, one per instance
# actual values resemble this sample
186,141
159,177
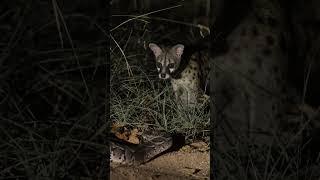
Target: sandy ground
190,162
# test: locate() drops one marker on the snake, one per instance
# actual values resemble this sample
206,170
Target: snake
135,154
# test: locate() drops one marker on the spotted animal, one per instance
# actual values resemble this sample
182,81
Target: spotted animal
188,72
249,78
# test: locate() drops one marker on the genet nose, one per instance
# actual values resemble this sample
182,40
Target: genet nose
163,75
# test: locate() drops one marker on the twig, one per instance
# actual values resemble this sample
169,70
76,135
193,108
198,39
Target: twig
143,15
124,56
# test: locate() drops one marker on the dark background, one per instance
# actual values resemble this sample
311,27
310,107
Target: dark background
53,83
53,78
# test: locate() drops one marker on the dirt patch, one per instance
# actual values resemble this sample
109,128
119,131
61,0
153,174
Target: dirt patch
190,162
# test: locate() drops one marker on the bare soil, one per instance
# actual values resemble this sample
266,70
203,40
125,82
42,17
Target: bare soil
190,162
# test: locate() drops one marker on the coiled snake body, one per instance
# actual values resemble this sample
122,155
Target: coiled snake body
151,146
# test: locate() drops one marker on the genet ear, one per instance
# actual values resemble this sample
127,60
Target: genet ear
178,50
155,49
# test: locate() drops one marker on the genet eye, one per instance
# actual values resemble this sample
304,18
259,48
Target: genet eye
171,65
158,65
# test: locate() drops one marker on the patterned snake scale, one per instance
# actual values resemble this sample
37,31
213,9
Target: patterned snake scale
132,154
